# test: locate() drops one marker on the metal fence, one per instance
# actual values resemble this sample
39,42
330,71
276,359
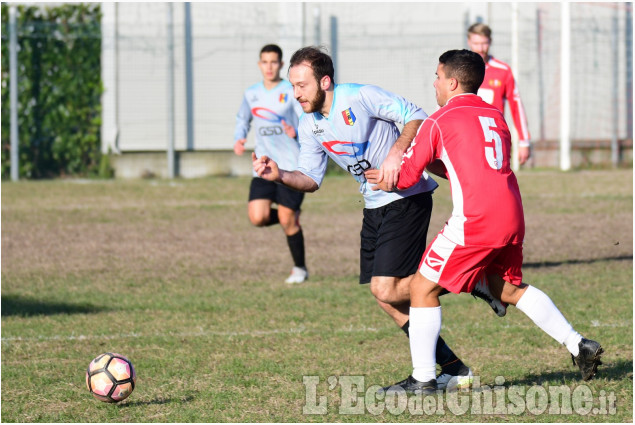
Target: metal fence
193,87
394,45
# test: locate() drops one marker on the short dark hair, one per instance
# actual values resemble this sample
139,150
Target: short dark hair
320,62
272,48
466,66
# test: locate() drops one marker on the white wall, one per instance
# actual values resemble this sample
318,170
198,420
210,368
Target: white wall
393,45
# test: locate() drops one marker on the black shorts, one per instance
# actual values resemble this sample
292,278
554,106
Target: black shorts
275,192
394,237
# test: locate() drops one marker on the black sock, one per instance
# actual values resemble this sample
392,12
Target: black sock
449,362
273,217
406,328
296,246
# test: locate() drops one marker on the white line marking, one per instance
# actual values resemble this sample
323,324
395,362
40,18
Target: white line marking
256,333
199,333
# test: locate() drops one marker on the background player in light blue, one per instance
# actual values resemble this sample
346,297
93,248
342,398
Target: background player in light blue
269,106
355,125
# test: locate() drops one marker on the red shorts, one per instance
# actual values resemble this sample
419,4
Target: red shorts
457,268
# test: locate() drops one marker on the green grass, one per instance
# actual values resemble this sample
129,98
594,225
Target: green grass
173,276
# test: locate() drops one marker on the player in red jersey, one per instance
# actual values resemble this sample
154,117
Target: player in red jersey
467,141
499,85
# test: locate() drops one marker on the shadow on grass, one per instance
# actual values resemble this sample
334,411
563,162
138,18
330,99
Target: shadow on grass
13,305
158,401
568,262
613,371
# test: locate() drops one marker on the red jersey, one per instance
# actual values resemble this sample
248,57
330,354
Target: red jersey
473,141
499,85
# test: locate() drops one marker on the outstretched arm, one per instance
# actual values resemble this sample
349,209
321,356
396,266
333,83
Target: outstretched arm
389,169
267,169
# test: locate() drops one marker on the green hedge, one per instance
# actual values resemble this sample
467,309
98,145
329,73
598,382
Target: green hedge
59,90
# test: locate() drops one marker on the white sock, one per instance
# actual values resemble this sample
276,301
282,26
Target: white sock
425,327
538,307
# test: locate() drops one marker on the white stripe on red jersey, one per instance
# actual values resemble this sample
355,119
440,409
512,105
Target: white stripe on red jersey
473,141
499,85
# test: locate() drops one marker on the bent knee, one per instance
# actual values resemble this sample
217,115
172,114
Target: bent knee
259,220
290,227
383,289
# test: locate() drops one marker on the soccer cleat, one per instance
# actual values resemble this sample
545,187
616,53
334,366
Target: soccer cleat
588,359
481,290
298,275
448,382
411,385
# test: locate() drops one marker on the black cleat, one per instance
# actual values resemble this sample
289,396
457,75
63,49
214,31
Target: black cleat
481,290
588,359
411,385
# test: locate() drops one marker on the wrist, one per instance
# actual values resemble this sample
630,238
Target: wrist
524,144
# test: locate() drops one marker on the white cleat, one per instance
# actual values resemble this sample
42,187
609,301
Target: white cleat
454,383
298,275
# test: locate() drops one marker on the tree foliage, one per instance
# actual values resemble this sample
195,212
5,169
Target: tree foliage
59,90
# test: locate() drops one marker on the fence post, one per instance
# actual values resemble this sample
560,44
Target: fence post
189,78
628,29
615,149
13,90
171,114
565,85
514,18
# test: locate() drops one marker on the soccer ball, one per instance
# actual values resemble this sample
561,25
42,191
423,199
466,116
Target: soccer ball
110,377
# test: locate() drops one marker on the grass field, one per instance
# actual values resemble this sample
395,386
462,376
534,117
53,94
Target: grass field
172,275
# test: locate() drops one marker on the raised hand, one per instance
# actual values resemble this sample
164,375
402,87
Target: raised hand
289,129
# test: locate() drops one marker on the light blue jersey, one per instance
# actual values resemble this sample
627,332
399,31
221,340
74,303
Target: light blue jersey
265,109
357,135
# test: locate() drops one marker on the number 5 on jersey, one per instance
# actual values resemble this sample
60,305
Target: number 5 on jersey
493,155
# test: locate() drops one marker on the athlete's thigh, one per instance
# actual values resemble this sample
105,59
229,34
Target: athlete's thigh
508,264
368,242
259,211
262,189
289,198
401,239
455,267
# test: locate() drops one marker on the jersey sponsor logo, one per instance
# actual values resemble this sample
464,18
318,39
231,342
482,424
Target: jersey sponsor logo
348,149
317,130
495,83
266,114
270,131
283,97
349,117
434,261
359,168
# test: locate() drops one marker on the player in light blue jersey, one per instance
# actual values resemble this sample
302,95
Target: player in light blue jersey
356,126
271,109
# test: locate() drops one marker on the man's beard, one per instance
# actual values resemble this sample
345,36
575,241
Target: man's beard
318,102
